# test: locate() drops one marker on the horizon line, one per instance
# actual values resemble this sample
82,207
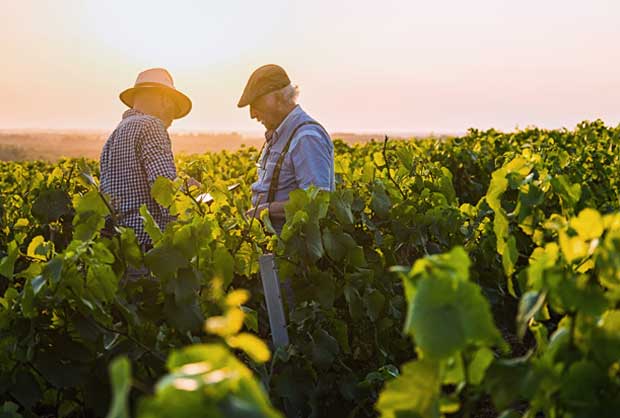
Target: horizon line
242,132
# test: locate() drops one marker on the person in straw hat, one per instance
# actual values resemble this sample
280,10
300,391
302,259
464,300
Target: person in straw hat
139,149
298,151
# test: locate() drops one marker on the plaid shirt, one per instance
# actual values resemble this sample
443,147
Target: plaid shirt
135,154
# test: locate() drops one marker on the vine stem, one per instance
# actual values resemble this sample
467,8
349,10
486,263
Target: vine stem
126,335
387,166
132,339
67,181
246,231
187,193
110,208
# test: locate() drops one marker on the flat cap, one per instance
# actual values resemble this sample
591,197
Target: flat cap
264,80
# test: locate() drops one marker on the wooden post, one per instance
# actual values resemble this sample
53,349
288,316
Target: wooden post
273,299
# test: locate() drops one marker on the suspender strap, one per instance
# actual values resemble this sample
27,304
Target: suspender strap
275,178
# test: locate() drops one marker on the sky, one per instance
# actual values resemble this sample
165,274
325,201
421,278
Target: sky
361,66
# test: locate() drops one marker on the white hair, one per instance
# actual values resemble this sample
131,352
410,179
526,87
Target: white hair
288,95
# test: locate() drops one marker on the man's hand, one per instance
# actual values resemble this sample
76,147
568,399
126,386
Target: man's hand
189,184
276,210
255,212
192,182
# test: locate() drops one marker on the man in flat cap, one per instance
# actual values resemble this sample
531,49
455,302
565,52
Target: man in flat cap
298,151
139,149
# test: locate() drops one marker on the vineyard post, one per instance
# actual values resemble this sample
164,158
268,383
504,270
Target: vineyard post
273,300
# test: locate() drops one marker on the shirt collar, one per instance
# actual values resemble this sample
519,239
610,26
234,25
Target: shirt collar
287,121
132,112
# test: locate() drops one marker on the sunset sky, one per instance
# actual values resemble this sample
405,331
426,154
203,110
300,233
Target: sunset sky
363,66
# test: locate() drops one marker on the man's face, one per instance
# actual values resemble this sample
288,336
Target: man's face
265,109
168,109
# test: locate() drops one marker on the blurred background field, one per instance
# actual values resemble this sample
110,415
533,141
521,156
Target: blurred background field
53,145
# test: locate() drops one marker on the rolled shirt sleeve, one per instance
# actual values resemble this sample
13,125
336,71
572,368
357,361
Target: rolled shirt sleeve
313,161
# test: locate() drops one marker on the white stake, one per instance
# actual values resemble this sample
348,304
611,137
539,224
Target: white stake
273,298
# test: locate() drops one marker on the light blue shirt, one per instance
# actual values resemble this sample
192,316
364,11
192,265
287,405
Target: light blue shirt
309,160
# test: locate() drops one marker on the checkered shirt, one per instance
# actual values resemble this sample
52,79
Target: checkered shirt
135,154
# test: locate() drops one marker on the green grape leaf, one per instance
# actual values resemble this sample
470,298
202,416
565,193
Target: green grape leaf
569,194
332,242
507,381
207,380
185,286
298,201
479,364
53,270
588,224
374,302
324,289
26,390
497,187
380,201
184,317
102,281
130,248
446,186
325,348
150,226
226,325
120,380
90,202
164,261
250,318
251,345
313,242
531,302
9,410
510,256
415,393
341,202
60,374
51,205
223,265
87,226
163,191
354,302
341,333
442,295
573,248
7,265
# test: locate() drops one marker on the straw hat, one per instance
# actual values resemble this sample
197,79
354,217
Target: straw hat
161,79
